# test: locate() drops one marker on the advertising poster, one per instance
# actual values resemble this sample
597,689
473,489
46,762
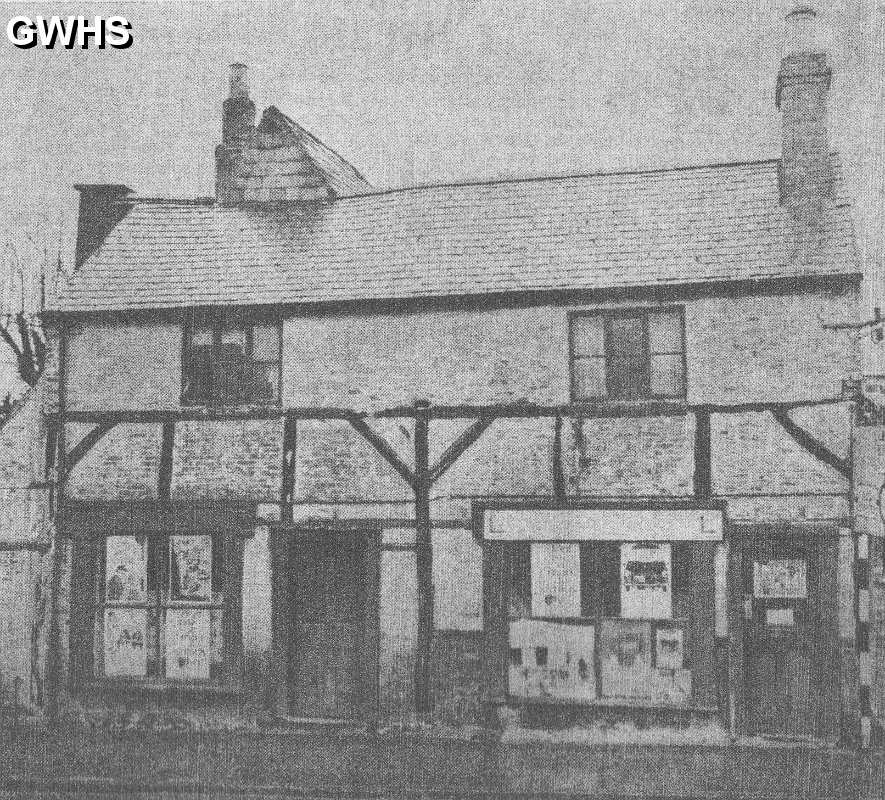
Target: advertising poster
187,643
625,658
669,648
646,581
190,569
780,579
125,638
125,570
552,659
556,580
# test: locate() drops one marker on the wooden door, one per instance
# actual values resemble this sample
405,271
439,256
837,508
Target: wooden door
329,658
791,636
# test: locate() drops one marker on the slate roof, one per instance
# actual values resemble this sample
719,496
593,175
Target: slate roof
606,231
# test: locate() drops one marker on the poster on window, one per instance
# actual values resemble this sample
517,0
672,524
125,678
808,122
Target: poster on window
780,579
556,580
125,641
625,658
646,581
669,648
125,569
188,643
551,659
190,569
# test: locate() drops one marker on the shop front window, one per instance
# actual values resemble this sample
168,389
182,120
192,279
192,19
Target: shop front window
162,608
604,606
599,620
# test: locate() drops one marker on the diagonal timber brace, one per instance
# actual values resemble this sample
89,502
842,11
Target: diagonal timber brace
457,448
85,445
808,442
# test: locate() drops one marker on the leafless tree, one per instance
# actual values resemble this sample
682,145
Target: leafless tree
23,266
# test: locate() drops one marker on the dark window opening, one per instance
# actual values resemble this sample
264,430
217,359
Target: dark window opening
631,355
231,362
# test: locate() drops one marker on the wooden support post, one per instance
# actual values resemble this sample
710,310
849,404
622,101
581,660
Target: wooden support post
559,494
703,456
53,636
424,557
287,489
167,451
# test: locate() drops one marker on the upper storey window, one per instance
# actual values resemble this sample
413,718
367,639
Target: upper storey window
230,361
635,354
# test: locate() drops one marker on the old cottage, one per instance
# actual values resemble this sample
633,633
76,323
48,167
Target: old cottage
518,454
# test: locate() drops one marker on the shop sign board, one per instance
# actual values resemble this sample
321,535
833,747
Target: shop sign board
642,525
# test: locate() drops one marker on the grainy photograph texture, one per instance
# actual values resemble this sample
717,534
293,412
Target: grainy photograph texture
412,399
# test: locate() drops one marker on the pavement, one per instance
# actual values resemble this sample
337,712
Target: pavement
75,762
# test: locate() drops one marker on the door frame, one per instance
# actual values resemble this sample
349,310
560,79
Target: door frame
822,539
284,538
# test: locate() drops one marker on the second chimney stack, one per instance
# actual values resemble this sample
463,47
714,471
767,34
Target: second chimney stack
802,86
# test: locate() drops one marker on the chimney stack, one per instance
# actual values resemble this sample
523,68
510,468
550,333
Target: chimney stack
802,86
237,131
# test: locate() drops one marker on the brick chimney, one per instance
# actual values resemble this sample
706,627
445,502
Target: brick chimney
801,96
102,206
237,131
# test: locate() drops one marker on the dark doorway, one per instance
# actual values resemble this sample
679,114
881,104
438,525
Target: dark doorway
791,634
333,658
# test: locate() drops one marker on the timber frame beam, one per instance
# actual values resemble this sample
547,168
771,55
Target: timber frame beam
514,410
814,446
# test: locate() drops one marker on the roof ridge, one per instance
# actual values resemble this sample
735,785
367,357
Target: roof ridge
565,177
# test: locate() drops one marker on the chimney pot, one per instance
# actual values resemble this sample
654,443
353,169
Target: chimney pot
239,86
802,31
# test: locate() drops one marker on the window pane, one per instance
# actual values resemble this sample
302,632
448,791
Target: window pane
668,376
231,374
588,335
626,338
125,569
264,381
627,379
198,374
665,332
190,568
188,633
266,342
125,641
589,377
201,337
234,335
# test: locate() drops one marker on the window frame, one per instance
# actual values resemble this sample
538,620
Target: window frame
218,322
699,626
88,617
607,315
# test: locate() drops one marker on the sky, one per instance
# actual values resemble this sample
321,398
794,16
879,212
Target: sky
420,91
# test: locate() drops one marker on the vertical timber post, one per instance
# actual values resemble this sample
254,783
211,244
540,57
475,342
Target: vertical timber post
423,557
53,638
